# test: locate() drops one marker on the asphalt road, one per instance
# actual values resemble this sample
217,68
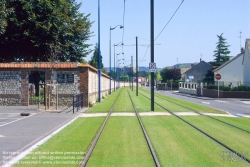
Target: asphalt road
238,107
18,133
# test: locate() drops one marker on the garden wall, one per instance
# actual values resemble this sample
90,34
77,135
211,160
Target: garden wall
223,94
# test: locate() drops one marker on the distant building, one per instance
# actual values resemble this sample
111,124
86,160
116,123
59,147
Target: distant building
198,72
231,71
246,64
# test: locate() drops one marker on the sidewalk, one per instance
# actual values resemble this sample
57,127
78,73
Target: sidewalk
194,96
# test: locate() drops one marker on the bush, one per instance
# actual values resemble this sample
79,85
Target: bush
227,88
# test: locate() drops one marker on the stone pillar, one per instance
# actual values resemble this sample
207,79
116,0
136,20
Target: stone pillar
84,84
24,88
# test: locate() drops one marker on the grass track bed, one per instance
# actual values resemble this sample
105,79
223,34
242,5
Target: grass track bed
243,123
123,103
233,138
190,105
121,144
177,144
105,105
74,138
168,105
143,104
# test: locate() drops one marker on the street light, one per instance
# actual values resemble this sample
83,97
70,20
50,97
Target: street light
114,62
110,55
117,72
99,56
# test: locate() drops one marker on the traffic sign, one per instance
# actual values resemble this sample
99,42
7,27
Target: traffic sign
218,76
171,80
152,67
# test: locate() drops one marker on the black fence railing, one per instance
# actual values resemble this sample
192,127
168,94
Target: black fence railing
77,102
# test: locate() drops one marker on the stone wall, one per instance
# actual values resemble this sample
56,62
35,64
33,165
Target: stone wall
10,88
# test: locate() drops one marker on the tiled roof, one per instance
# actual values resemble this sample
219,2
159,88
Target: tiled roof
39,65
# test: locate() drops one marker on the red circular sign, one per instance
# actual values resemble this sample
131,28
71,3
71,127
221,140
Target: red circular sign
218,76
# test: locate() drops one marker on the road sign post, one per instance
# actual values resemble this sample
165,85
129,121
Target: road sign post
218,77
171,80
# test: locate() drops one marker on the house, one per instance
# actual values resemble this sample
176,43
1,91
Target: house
231,71
198,72
246,64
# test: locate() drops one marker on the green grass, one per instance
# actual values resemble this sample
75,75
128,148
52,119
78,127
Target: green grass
105,105
123,103
243,123
190,105
233,138
177,144
121,144
74,138
168,105
143,104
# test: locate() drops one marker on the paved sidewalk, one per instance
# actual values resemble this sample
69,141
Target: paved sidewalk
18,133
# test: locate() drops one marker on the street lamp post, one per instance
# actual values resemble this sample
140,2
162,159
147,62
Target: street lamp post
99,56
110,56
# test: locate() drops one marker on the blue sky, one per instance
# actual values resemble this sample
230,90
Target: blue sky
193,30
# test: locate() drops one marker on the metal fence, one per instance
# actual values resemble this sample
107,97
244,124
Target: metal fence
77,102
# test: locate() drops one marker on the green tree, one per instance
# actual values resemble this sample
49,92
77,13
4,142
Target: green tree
221,53
174,73
158,77
3,16
163,74
94,59
209,77
35,26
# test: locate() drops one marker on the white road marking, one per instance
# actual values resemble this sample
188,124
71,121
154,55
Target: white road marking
18,120
1,136
8,118
220,101
205,102
246,102
26,152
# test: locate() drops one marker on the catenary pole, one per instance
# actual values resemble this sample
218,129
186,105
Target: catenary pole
152,50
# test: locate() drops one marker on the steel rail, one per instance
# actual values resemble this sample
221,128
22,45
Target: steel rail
197,112
93,144
242,157
156,161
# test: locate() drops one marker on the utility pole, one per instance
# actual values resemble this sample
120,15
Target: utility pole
152,51
99,57
132,72
136,66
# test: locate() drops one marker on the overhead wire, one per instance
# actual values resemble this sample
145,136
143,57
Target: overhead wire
164,27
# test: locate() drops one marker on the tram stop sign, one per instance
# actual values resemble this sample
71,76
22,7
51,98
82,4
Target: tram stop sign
218,76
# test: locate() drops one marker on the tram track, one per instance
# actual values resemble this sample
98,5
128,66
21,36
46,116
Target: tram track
231,150
199,113
94,142
156,161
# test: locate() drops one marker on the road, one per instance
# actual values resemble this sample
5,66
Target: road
18,133
238,107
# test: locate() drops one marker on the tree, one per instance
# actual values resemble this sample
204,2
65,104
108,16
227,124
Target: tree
163,74
158,77
34,26
4,12
221,53
174,73
94,59
209,77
